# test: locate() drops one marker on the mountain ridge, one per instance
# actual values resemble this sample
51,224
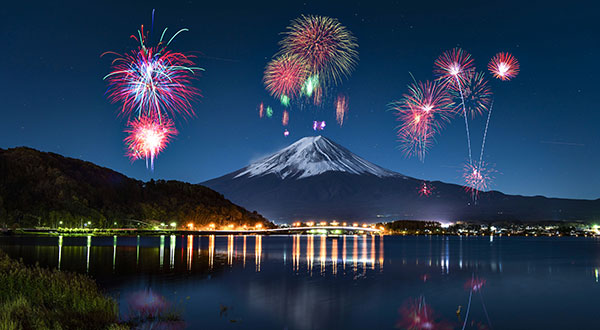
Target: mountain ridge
42,188
339,193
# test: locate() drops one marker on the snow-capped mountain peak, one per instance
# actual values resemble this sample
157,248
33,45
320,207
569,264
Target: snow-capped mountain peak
311,156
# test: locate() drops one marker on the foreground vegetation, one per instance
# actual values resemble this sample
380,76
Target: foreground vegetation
37,298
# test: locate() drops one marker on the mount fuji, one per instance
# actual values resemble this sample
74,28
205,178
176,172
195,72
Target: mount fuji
316,178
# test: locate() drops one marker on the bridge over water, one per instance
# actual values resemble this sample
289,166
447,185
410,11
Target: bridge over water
322,230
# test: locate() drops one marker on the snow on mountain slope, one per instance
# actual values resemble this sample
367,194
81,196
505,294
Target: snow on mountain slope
311,156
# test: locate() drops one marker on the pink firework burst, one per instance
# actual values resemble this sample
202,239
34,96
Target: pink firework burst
476,94
504,66
453,65
422,112
425,189
474,284
319,125
148,137
285,75
152,81
478,178
418,315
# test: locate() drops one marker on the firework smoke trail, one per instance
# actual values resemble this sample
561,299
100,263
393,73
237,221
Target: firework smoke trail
148,137
328,48
451,66
152,81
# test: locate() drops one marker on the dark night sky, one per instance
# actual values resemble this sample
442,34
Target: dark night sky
543,137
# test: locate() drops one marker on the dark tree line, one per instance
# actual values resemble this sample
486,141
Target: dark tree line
43,189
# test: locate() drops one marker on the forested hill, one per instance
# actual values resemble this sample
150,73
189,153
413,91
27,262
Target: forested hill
41,189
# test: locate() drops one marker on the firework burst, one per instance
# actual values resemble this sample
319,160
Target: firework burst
416,314
152,81
341,108
478,178
319,125
284,76
148,137
422,112
452,68
476,94
504,66
452,65
425,189
328,48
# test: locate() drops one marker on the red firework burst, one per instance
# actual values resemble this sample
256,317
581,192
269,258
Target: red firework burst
477,178
328,48
504,66
148,137
152,81
425,189
422,112
285,75
476,94
452,65
475,284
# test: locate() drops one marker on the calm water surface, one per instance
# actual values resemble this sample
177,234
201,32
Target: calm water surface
345,282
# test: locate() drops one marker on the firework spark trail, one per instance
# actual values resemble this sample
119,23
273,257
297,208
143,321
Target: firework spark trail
341,108
485,309
487,123
261,110
469,305
462,100
454,65
286,118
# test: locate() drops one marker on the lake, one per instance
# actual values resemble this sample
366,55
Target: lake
343,282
